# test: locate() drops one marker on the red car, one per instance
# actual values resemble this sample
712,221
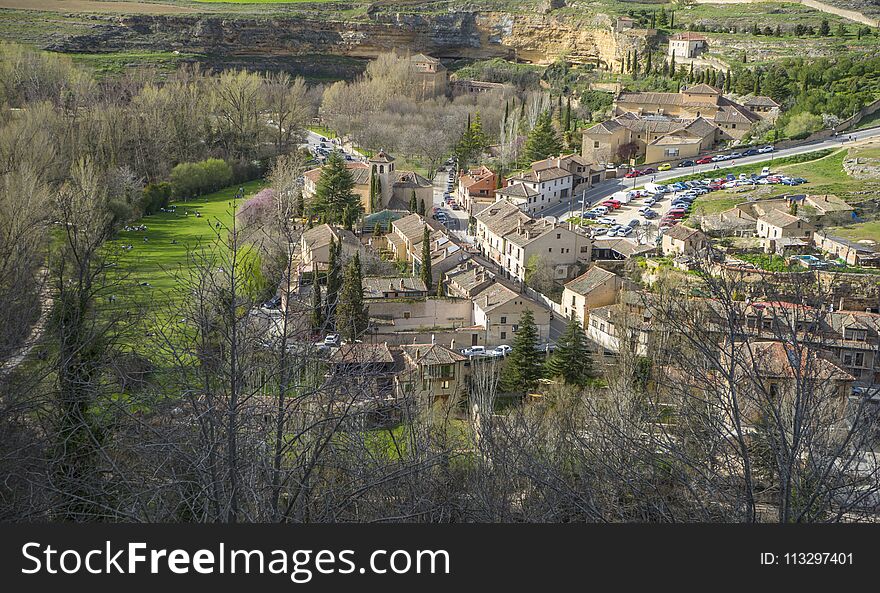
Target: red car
669,221
615,204
676,213
633,173
705,160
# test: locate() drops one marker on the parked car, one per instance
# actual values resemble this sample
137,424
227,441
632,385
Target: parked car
664,167
766,149
705,160
273,303
474,351
633,223
502,350
331,340
606,220
683,164
650,214
611,204
750,152
649,171
633,173
601,210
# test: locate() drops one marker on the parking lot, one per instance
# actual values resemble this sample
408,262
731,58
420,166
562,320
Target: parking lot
612,216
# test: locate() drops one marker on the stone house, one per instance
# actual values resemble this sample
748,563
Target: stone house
594,288
683,240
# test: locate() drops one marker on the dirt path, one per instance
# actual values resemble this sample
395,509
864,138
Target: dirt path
852,15
36,331
96,6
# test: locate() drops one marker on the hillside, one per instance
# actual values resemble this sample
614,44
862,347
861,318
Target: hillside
289,34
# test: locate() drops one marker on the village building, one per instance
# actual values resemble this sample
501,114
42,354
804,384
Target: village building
783,231
681,240
594,288
430,74
584,173
433,374
405,233
619,248
476,187
314,246
656,137
543,188
764,107
406,184
394,288
499,309
687,45
511,238
851,252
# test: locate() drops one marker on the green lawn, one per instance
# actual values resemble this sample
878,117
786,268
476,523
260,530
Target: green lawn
156,260
118,62
859,231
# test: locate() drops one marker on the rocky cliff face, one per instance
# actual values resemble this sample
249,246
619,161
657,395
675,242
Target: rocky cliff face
536,37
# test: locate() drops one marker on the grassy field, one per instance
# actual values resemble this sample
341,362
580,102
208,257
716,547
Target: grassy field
156,260
862,231
116,62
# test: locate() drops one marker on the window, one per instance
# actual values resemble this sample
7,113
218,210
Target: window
855,334
515,327
406,314
585,248
504,320
558,235
445,385
596,144
549,250
503,335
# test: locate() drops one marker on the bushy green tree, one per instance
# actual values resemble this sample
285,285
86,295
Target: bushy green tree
543,141
571,360
523,369
335,201
472,144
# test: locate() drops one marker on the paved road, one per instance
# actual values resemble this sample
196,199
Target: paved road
606,188
313,140
458,221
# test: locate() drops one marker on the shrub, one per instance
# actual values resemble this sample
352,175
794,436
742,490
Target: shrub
193,179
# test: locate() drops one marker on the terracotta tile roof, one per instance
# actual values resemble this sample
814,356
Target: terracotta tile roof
589,280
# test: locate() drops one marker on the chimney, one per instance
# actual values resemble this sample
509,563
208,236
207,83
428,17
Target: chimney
432,339
452,345
487,300
402,284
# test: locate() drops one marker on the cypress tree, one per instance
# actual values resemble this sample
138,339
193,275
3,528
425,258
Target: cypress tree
334,274
571,361
422,207
317,318
426,258
412,202
566,123
351,317
523,368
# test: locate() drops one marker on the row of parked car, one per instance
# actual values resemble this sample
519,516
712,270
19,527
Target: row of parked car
500,351
706,160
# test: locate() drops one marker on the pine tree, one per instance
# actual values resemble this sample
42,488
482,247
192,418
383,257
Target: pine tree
841,30
824,28
334,193
317,318
571,361
425,272
473,142
672,19
412,202
523,368
351,317
635,64
672,64
662,17
648,65
543,141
